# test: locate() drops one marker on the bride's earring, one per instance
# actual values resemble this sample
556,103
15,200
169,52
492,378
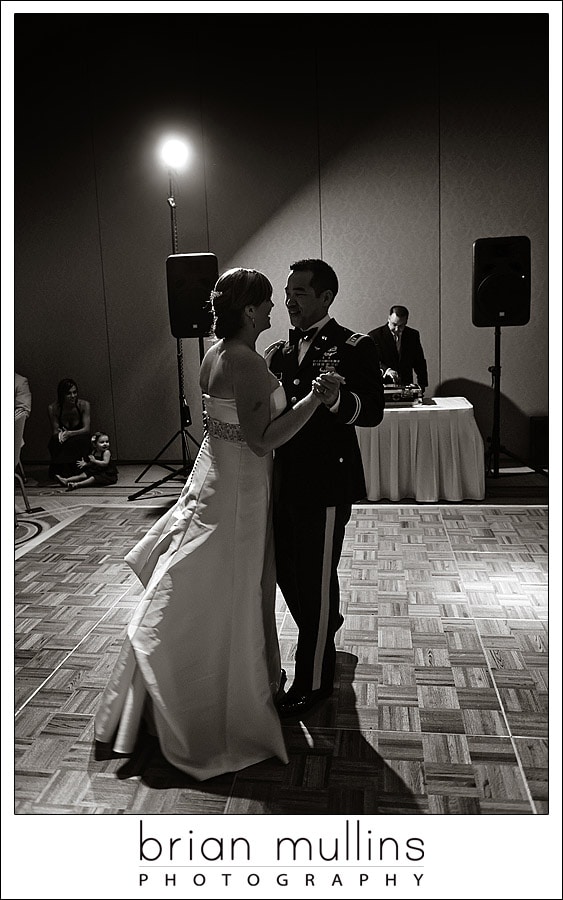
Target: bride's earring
253,322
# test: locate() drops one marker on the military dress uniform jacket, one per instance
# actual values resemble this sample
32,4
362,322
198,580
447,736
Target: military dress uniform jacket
322,464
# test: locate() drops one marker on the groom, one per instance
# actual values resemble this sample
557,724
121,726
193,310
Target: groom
318,474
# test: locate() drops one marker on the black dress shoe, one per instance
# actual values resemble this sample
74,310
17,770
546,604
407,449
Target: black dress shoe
295,704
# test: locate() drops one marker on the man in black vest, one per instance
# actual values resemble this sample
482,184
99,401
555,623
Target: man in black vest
399,350
318,474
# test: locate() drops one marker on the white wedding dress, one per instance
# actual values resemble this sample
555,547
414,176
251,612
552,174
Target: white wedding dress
201,658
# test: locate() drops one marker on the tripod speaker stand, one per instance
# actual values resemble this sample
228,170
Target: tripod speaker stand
190,279
501,296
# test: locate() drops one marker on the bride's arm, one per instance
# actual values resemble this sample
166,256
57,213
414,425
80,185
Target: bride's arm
252,384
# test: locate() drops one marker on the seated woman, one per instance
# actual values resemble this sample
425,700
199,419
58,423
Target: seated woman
70,424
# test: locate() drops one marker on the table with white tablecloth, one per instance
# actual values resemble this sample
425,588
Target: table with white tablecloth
429,452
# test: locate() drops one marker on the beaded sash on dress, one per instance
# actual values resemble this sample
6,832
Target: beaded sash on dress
226,431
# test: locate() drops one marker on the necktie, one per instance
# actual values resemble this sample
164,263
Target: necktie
297,334
397,337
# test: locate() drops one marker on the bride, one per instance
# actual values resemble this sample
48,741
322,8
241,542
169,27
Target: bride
201,661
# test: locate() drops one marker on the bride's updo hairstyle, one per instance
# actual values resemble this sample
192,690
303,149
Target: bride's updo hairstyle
236,289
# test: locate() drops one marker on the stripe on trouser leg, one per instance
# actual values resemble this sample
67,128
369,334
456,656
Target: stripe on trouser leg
325,598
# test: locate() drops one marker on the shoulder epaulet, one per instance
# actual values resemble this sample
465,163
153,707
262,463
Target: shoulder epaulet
355,338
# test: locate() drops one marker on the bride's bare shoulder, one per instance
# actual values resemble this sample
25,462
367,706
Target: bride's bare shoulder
239,354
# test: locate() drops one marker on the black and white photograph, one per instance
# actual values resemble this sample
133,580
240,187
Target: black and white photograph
281,300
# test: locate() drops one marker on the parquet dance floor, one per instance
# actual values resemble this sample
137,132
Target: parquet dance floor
440,704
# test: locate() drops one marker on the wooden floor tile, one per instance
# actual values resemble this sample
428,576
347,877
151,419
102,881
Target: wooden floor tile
533,754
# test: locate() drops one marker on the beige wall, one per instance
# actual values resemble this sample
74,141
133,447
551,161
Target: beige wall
386,144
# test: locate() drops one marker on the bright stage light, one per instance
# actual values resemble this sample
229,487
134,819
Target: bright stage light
175,153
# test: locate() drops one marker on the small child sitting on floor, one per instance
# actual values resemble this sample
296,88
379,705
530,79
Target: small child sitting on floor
98,470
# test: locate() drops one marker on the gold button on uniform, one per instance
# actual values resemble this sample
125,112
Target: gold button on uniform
296,380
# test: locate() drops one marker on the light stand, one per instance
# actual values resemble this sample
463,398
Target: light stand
185,415
495,446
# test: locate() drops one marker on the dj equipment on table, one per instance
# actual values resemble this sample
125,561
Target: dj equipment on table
402,395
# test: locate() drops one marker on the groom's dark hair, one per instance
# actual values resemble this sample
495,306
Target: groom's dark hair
324,277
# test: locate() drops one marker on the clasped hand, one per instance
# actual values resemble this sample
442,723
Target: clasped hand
327,387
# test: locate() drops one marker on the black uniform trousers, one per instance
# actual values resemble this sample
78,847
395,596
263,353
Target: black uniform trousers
309,541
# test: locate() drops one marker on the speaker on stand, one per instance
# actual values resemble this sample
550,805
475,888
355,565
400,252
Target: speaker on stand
190,278
501,296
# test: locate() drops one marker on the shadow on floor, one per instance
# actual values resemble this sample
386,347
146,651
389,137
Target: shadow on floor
333,769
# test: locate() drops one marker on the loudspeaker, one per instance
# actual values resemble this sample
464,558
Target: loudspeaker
501,281
190,278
